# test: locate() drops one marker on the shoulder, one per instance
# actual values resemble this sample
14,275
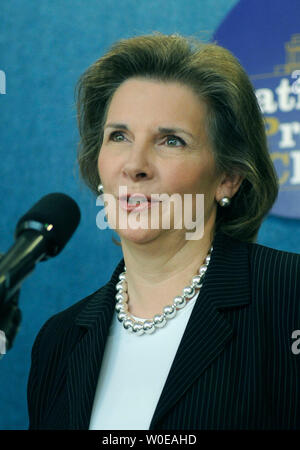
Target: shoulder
273,262
60,333
240,259
263,249
275,282
68,316
68,326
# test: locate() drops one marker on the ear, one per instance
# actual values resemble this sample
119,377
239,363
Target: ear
229,185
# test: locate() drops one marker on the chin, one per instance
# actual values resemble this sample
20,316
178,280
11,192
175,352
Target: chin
139,236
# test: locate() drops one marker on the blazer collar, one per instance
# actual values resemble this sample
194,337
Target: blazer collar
226,285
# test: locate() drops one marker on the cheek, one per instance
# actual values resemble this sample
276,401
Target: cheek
103,163
192,179
100,159
203,175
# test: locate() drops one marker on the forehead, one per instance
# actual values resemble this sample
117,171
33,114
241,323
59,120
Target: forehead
158,102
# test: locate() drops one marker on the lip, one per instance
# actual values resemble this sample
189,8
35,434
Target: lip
136,194
124,204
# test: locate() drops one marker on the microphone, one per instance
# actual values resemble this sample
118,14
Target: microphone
40,234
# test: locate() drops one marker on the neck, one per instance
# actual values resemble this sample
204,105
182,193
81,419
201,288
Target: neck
154,277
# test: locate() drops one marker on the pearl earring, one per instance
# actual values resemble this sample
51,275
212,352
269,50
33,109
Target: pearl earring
225,201
100,188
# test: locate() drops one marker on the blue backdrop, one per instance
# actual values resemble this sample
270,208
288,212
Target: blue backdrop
44,47
273,65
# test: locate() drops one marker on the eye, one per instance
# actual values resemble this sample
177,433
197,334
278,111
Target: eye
176,138
116,133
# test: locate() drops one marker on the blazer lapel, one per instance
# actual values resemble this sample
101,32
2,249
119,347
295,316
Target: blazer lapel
85,361
226,285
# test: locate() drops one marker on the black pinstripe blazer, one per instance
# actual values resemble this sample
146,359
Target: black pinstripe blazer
235,367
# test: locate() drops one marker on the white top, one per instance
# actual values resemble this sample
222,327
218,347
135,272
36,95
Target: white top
133,372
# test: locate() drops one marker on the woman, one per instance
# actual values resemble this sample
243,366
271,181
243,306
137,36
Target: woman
188,333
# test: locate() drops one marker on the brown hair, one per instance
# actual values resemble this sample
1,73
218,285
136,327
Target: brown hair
234,123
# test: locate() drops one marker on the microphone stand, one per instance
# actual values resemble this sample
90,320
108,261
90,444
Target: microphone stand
10,320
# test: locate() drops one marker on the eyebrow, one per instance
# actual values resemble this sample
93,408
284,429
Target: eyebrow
122,126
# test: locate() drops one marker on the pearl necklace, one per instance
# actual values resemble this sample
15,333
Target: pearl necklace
169,311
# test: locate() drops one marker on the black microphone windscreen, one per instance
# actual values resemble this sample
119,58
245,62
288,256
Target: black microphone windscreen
59,216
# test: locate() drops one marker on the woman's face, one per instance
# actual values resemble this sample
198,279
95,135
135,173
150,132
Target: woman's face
144,159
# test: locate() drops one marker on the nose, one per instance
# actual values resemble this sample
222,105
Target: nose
138,164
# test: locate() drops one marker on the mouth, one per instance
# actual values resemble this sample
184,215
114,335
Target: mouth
136,202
